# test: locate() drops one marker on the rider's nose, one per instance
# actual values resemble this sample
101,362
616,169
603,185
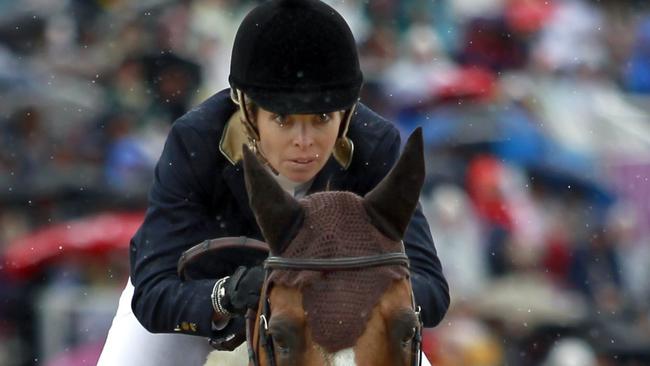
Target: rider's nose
303,136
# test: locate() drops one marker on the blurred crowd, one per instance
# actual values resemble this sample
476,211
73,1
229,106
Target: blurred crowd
536,117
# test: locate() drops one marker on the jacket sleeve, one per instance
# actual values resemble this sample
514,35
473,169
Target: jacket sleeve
430,287
175,220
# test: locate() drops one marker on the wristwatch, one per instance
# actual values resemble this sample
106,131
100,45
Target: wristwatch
218,292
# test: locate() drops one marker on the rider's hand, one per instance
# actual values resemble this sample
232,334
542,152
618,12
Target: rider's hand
233,335
243,289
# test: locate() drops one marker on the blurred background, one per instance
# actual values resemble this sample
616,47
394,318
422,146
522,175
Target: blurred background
536,116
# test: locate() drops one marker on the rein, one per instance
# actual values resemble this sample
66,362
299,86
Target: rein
330,264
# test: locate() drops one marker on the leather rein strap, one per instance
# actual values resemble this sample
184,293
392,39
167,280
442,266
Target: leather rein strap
312,264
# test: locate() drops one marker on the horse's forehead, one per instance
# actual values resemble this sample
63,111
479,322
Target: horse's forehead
338,215
336,224
329,203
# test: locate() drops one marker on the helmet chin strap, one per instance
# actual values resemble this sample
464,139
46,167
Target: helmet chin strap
251,130
345,121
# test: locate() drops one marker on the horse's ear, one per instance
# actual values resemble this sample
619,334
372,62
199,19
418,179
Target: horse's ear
392,202
278,214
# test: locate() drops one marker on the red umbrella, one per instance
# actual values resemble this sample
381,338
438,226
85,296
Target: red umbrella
94,235
528,16
472,82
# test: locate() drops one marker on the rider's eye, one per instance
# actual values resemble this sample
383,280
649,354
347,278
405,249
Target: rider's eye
324,117
280,119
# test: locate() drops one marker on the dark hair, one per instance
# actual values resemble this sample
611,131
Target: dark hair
251,109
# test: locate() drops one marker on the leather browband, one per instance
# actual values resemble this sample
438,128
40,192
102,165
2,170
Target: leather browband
336,264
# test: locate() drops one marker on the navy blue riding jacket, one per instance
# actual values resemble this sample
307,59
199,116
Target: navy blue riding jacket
198,194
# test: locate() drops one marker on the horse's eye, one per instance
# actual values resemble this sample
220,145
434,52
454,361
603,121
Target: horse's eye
280,343
287,335
282,349
284,336
408,337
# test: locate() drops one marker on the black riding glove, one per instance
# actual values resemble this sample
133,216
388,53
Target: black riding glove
243,289
233,335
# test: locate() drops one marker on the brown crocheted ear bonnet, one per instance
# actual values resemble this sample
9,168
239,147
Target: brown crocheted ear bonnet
338,304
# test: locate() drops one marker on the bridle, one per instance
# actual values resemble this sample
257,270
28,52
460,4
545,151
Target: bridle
265,339
330,264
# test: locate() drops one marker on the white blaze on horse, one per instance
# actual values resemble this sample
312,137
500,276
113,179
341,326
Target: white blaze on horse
337,290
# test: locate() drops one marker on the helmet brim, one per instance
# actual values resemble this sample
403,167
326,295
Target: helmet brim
304,102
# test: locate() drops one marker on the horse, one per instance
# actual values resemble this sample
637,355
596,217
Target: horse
337,289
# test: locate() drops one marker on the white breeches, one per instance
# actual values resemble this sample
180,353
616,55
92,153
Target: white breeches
130,344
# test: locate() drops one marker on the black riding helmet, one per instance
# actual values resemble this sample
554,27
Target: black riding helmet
296,56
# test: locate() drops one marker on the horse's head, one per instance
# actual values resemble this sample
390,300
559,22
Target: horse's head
337,290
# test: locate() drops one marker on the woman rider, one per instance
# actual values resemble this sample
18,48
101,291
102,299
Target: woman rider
295,82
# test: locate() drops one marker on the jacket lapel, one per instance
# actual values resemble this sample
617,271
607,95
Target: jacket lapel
234,177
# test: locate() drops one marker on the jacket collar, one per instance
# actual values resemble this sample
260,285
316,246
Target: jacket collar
232,139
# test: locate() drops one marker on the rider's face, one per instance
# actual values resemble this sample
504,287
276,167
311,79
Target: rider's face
298,145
